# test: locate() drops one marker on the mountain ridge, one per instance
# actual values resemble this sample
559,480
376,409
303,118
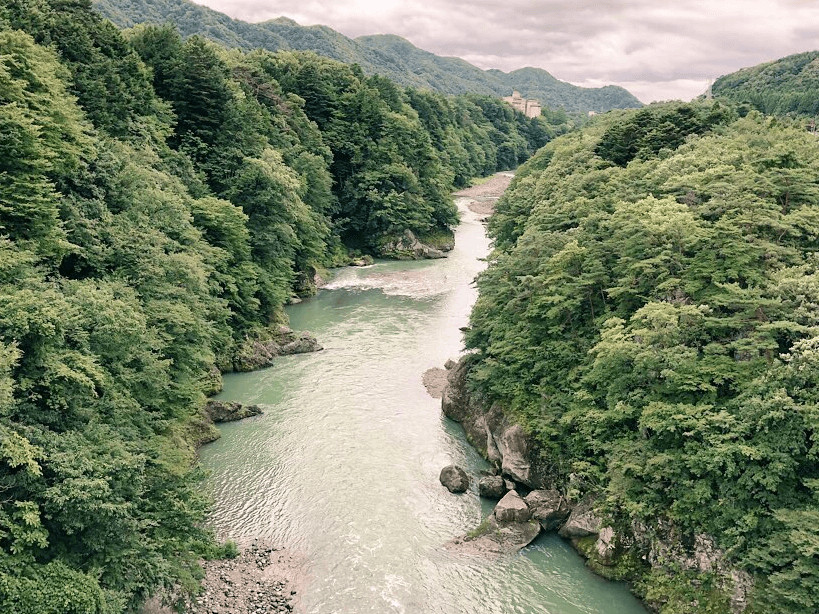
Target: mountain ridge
388,55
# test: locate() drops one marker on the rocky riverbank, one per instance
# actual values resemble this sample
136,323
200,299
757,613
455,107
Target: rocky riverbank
262,579
629,554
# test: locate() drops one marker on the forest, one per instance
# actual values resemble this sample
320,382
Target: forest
386,55
161,198
650,315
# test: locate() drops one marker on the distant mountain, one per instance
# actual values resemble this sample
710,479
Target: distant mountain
387,55
786,86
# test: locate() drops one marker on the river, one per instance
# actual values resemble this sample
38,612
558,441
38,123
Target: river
343,466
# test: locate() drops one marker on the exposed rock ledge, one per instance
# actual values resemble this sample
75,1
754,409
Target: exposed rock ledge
515,455
408,247
259,354
202,429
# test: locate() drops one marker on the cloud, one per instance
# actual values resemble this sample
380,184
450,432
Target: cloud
663,49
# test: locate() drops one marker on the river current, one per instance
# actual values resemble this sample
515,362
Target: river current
343,465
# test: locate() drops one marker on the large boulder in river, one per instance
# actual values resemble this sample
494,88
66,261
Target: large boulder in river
512,508
407,247
228,411
454,478
492,487
549,507
259,353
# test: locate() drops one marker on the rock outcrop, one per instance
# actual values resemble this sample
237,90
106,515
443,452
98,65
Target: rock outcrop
500,440
454,478
505,531
549,508
259,353
514,453
582,521
408,247
229,411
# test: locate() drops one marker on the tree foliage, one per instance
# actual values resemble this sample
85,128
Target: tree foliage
160,200
649,313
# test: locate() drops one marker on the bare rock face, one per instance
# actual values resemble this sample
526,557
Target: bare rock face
513,446
454,478
512,508
492,487
408,247
582,521
434,381
455,401
259,354
226,411
507,529
548,507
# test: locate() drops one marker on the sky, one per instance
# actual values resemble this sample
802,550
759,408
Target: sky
656,49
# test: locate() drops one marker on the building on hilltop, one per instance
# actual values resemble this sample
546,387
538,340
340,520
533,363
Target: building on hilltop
530,108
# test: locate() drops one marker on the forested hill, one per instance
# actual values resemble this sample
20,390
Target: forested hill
160,200
786,86
649,314
386,55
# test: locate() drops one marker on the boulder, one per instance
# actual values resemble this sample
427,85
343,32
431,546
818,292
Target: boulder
454,478
582,521
492,487
548,507
228,411
303,343
408,247
494,538
512,508
259,354
506,530
513,445
434,381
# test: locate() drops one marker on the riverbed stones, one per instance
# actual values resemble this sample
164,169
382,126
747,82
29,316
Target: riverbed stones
549,507
492,487
454,478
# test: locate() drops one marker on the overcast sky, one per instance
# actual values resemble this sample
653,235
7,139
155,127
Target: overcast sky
657,49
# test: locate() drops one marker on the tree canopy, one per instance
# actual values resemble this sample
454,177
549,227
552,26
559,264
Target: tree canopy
649,314
160,200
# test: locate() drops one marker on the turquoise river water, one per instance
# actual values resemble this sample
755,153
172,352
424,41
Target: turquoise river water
343,466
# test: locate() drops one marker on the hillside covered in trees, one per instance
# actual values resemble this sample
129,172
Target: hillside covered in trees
650,315
386,55
789,86
160,200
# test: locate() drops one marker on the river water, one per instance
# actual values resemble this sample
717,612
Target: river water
343,466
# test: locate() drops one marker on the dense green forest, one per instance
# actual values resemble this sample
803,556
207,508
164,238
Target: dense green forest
384,54
160,199
650,314
786,86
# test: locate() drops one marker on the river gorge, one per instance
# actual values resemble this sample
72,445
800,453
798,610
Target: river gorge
343,465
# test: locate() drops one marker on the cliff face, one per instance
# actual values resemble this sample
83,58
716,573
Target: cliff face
633,554
500,440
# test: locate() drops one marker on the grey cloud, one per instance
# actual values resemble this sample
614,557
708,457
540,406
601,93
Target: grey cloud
677,44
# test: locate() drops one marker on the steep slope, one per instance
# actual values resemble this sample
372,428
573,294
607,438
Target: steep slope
789,85
387,55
